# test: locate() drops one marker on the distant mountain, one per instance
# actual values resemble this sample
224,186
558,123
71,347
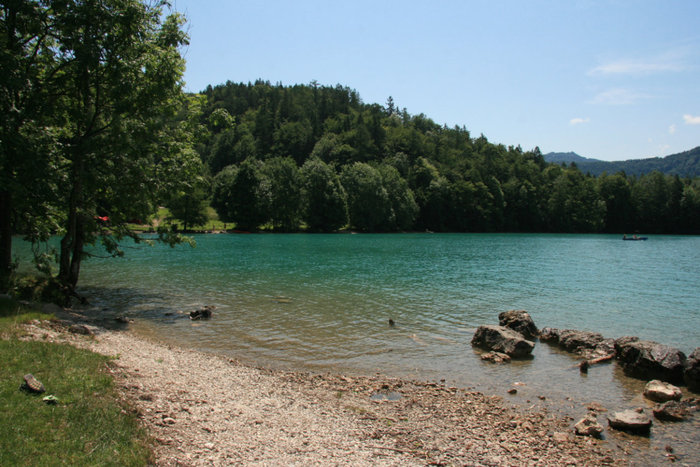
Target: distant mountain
684,164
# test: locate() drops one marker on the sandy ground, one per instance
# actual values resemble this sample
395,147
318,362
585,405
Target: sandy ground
208,410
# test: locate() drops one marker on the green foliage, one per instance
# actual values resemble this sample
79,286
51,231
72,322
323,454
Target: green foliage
325,200
369,207
285,193
98,126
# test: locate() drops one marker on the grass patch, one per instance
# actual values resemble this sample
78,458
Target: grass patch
88,426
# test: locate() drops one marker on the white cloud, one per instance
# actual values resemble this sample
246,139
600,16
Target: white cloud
672,129
578,121
619,97
668,62
691,120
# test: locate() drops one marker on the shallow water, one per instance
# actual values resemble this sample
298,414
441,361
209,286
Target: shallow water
323,302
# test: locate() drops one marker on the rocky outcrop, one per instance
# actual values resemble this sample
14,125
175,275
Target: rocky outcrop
650,360
691,372
502,339
589,426
632,421
676,411
660,391
519,321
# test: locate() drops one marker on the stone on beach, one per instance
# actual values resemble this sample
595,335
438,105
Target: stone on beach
660,391
519,321
589,426
502,339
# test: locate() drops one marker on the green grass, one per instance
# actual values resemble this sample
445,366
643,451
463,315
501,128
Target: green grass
88,426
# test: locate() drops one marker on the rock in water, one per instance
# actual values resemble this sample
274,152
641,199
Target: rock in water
550,335
589,426
579,341
202,313
650,360
659,391
502,339
691,372
496,357
676,411
630,420
519,321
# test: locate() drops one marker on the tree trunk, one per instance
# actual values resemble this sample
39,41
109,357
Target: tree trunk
73,240
5,237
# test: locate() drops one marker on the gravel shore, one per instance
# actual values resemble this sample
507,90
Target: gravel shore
205,409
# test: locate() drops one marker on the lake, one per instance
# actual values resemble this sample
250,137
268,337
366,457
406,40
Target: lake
323,303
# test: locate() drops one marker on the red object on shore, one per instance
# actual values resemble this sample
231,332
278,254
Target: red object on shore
102,218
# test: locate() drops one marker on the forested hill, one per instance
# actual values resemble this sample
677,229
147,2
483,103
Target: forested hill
317,156
684,164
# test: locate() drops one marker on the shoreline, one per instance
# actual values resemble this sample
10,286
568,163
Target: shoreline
204,409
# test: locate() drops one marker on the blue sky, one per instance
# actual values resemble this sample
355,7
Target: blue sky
611,79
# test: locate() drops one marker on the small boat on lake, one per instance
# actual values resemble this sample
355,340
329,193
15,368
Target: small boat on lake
634,238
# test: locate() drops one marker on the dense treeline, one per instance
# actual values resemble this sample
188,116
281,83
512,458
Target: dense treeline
318,156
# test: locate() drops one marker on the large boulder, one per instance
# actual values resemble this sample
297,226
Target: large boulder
519,321
502,339
630,420
651,360
691,373
660,391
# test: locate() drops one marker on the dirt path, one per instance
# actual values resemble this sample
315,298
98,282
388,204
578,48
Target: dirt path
207,410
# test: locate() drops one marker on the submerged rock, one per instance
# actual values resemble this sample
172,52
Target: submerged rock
519,321
630,420
502,339
202,313
650,360
676,411
691,372
495,357
660,391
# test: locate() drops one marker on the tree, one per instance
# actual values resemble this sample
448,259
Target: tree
221,192
249,196
28,155
325,200
401,199
189,203
369,207
120,77
285,193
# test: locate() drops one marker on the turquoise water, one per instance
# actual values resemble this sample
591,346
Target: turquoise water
323,302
